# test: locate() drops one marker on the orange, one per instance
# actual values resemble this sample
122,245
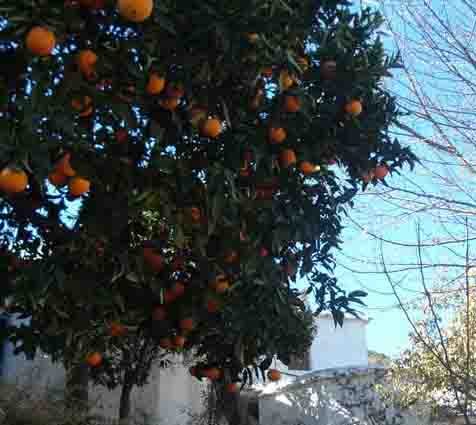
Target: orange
277,134
287,158
78,186
232,388
381,172
169,103
274,375
63,166
178,289
135,10
159,314
94,359
86,60
186,325
117,330
153,260
156,84
286,81
212,373
84,106
179,341
307,168
195,214
211,128
354,108
13,180
57,179
292,104
165,343
40,41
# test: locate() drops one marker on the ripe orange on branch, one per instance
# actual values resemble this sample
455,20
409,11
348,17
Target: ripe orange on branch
211,128
79,186
94,359
155,84
84,106
277,135
292,104
287,158
307,168
13,180
274,375
179,341
40,41
87,60
381,172
135,10
117,330
354,108
57,179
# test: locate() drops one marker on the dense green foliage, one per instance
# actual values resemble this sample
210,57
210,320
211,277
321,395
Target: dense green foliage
170,201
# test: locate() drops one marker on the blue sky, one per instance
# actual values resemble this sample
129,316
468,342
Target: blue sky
397,220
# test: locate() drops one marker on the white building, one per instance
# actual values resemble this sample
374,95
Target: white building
173,394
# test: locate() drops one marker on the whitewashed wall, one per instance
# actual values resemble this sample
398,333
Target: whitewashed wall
332,397
336,347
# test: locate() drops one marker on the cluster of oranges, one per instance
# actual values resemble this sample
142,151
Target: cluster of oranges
64,173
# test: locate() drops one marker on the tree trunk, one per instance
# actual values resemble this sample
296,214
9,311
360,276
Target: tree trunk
77,380
125,403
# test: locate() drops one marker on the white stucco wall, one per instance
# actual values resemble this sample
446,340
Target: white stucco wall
332,397
336,347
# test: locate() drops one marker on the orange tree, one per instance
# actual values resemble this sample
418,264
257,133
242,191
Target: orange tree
175,166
